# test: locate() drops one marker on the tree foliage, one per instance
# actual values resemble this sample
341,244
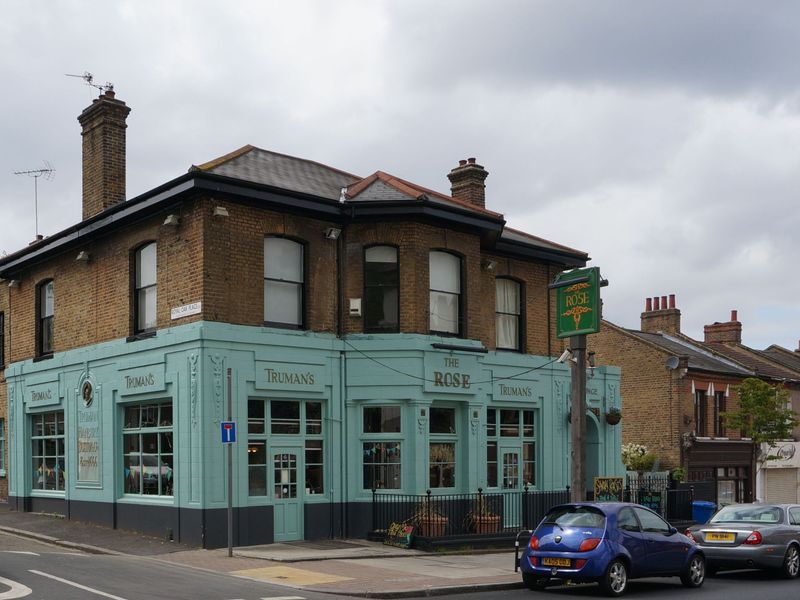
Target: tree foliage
762,414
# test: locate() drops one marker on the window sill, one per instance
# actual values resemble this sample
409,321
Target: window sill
147,499
141,336
42,357
283,326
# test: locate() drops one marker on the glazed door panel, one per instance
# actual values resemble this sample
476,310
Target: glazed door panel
287,492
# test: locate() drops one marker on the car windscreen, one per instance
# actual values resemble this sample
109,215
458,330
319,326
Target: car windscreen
748,514
576,516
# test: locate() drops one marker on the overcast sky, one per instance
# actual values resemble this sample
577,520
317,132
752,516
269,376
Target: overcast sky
661,137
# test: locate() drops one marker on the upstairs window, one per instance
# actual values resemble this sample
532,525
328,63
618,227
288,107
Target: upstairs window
507,312
145,293
283,282
45,308
700,410
719,419
445,293
381,290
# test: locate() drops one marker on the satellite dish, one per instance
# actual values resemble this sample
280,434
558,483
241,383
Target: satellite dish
672,363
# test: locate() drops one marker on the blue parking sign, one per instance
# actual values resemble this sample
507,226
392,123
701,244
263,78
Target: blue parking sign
228,430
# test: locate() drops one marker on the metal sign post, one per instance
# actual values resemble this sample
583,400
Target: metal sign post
228,431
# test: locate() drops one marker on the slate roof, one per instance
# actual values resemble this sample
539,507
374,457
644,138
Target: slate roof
788,358
699,358
760,363
515,235
281,171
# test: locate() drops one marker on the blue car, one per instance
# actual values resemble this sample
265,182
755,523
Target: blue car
608,543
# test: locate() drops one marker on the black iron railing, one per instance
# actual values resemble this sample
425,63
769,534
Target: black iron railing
444,515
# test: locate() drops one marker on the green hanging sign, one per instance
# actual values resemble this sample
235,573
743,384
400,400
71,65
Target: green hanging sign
577,302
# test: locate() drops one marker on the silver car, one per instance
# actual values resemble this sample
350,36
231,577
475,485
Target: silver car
751,536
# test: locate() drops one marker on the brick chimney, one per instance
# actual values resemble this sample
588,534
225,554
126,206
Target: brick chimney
103,130
661,315
724,332
466,182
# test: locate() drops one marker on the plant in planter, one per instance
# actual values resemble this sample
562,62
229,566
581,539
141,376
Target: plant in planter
678,474
480,518
613,416
636,457
429,519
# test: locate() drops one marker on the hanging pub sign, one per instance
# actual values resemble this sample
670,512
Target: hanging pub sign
577,302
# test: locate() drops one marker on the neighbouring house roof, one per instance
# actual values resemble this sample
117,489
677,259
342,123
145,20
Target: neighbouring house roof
699,358
760,363
786,357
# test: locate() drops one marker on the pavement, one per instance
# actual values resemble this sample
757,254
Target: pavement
346,567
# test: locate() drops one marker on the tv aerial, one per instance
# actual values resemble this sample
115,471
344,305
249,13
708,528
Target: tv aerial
48,172
88,78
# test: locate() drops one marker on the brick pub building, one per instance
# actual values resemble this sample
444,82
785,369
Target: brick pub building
372,333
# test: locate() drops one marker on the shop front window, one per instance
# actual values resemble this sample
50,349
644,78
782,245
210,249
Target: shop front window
47,451
442,448
148,451
382,465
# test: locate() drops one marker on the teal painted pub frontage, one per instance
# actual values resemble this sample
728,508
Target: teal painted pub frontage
127,433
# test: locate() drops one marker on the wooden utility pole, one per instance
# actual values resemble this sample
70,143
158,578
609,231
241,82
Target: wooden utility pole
578,418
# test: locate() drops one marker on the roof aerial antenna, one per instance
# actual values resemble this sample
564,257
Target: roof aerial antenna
89,79
48,172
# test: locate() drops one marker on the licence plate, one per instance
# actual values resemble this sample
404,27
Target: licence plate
556,562
713,536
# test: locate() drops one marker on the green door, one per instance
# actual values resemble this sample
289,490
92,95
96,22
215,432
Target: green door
511,484
287,493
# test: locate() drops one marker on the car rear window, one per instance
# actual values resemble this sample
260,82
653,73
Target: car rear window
576,516
748,514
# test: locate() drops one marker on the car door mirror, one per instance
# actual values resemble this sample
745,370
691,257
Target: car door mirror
672,531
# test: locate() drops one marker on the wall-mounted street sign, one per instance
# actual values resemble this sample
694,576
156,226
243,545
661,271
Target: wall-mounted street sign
577,302
228,431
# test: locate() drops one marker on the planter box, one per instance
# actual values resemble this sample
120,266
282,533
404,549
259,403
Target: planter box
487,524
432,526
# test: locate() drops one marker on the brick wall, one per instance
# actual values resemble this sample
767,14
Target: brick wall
94,300
220,261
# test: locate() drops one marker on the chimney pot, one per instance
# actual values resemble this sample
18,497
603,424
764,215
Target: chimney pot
462,162
672,300
656,304
734,315
471,160
648,305
663,303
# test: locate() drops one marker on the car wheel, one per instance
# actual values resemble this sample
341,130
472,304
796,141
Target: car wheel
534,582
791,563
615,580
694,573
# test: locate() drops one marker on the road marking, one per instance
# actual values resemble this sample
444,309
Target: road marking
20,552
290,576
77,585
283,598
17,590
